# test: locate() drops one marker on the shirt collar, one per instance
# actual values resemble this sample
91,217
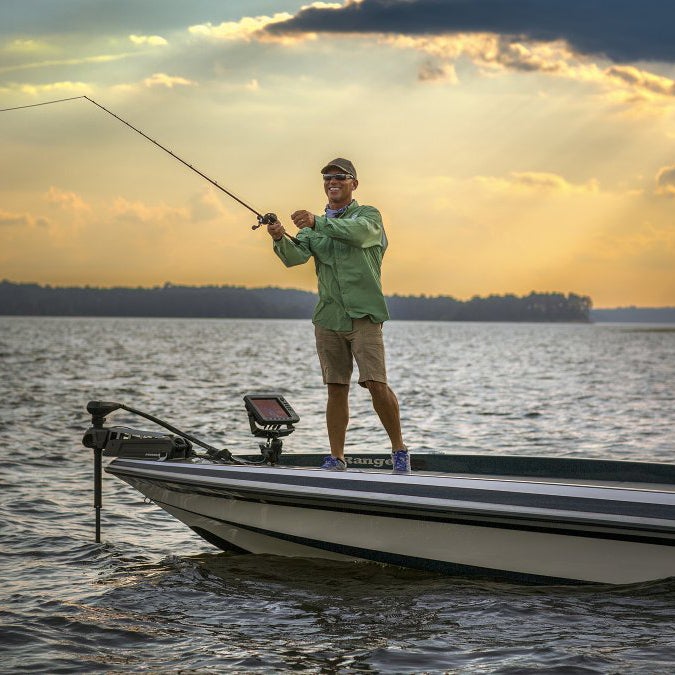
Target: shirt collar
336,213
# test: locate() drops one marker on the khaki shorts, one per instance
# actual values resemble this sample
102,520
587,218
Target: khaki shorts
338,350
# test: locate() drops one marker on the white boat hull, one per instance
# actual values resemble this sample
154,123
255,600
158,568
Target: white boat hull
515,529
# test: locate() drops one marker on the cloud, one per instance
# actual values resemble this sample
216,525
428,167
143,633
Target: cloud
168,81
69,201
528,182
494,54
8,219
642,80
154,81
50,88
244,29
665,181
151,40
139,213
254,27
433,71
497,43
97,59
622,30
26,46
206,206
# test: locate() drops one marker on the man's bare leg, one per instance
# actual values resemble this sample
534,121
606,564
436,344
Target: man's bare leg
386,407
337,418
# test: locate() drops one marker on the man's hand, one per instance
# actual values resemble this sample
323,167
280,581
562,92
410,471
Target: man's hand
276,230
303,219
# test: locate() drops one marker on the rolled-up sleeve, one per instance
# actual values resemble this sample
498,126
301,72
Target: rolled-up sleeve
362,230
292,254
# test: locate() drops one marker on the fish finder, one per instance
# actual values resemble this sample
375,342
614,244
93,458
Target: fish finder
270,416
270,409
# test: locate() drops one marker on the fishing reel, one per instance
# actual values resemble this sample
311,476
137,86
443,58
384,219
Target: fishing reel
271,218
265,220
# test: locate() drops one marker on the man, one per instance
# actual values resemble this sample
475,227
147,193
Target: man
347,244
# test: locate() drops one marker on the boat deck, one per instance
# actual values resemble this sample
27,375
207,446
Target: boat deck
565,471
631,485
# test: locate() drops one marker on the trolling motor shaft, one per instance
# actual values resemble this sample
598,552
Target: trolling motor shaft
96,438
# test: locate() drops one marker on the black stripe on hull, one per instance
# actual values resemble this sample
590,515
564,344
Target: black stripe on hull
566,528
512,498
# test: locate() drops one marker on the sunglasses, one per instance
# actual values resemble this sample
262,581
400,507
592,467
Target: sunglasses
337,176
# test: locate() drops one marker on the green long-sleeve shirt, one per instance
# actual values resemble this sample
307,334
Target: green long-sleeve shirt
347,253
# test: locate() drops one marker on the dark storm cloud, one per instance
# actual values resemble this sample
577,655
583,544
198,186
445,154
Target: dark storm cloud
622,30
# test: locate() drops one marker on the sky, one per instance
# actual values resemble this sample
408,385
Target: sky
511,145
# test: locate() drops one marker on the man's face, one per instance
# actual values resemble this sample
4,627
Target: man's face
339,192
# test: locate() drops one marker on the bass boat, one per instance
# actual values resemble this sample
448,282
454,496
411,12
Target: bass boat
527,519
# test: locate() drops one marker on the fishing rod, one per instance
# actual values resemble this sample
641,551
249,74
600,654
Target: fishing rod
265,219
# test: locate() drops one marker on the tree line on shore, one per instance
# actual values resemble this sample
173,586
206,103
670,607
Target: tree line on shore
172,300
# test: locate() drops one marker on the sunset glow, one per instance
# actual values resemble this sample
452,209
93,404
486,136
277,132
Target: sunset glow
533,155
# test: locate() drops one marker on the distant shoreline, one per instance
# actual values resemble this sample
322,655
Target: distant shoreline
174,301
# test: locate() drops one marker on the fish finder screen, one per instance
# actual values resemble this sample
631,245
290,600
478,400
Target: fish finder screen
270,409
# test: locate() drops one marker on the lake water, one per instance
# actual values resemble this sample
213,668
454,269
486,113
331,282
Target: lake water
156,598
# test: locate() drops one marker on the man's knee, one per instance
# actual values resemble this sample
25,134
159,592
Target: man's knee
376,389
338,391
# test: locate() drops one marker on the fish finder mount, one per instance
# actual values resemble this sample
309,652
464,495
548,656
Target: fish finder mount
271,417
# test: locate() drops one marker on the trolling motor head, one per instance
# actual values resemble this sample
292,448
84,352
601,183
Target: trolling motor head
96,436
99,409
122,441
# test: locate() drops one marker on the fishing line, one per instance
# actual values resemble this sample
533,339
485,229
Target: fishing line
35,105
262,219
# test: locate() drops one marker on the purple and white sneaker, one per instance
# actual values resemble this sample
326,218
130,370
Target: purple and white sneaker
401,461
331,463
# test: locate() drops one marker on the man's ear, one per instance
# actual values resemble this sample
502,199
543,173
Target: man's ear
356,184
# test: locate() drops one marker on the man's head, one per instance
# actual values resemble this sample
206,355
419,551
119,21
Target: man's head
339,181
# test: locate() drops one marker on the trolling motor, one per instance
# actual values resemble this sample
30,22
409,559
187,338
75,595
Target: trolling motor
133,443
